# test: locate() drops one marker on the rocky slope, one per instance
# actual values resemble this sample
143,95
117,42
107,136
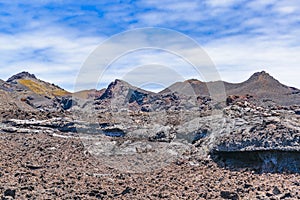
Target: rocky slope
261,86
188,95
35,92
120,94
188,87
8,101
29,82
89,94
265,88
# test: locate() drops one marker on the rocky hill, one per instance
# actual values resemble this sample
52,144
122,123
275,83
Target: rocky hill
265,88
122,92
261,86
31,92
188,87
89,94
37,94
29,82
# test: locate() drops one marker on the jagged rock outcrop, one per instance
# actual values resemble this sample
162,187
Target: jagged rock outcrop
258,128
21,75
267,139
121,94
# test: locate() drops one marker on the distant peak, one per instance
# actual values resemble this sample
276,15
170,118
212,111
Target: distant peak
263,75
21,75
116,83
119,81
194,81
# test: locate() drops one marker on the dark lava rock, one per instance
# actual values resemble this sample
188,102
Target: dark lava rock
66,102
230,99
127,190
286,195
10,193
248,186
194,136
114,132
134,95
229,195
276,191
263,161
33,167
97,194
20,76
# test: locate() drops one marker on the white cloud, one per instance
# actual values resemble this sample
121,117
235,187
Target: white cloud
221,3
143,47
54,56
240,36
236,61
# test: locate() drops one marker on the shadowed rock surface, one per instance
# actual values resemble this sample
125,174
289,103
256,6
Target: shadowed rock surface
263,161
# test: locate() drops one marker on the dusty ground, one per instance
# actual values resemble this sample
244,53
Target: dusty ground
40,166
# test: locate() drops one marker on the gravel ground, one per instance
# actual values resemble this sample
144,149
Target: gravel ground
40,166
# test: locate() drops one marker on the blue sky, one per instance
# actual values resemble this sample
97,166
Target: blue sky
52,39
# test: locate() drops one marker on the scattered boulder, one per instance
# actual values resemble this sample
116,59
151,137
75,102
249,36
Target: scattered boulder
10,193
229,195
276,191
